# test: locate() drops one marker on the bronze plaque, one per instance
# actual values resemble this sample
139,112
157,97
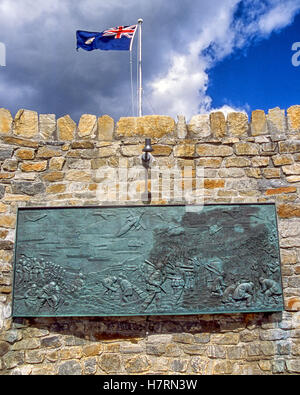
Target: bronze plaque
146,260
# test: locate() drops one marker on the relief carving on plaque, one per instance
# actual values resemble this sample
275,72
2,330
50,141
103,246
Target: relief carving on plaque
146,261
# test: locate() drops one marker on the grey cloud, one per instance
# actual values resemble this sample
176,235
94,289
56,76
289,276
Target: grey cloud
45,73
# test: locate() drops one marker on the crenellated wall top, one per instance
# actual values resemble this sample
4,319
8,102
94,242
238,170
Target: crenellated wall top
30,125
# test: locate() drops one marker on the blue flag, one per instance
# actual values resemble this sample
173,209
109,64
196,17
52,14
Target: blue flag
116,39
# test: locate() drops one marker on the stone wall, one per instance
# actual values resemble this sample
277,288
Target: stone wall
49,162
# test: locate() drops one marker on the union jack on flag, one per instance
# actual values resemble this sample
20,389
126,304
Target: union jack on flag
115,38
120,31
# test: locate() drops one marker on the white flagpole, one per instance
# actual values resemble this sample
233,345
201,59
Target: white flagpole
140,89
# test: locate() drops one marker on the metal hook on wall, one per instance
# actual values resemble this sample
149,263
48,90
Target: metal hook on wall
146,156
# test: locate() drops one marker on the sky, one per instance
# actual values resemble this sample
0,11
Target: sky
198,56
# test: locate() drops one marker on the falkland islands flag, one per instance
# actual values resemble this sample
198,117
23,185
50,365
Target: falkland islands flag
117,39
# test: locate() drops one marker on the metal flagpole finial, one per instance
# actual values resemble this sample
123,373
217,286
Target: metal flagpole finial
140,20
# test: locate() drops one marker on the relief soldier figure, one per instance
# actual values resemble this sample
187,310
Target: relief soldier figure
270,289
31,296
51,295
110,284
126,288
154,281
244,292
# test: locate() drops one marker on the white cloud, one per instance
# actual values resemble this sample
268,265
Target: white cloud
278,17
225,109
182,89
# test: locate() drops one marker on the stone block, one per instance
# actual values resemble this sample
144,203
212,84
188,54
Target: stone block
155,126
78,175
13,358
278,191
155,349
34,356
293,179
26,344
292,303
110,363
66,128
199,126
130,150
18,141
268,147
223,367
74,352
87,126
213,150
47,126
161,150
47,153
237,162
272,334
237,124
185,338
27,187
291,169
25,153
271,173
276,121
82,145
34,166
26,124
6,153
289,211
54,176
234,172
56,188
46,369
247,149
6,176
90,366
283,159
293,117
216,351
4,348
10,165
209,162
71,367
137,364
51,341
179,365
289,147
92,349
260,161
107,152
218,124
258,123
181,127
2,191
56,163
213,183
6,121
105,128
293,365
185,150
